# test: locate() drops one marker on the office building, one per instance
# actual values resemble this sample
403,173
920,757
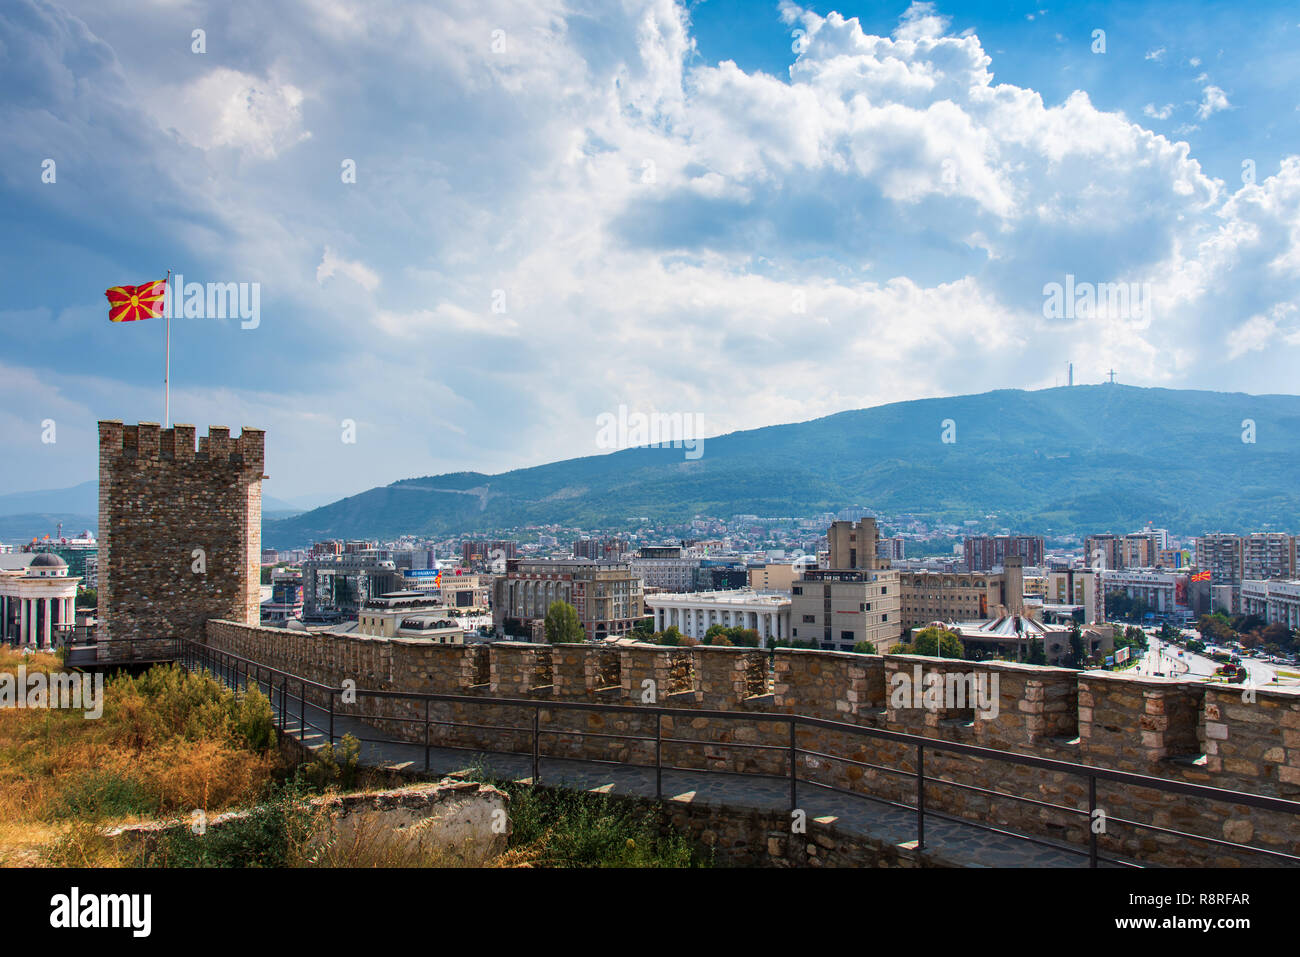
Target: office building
607,595
855,599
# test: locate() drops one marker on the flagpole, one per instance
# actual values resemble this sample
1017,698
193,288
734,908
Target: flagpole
167,358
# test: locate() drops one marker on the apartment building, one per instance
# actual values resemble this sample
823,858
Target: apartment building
987,552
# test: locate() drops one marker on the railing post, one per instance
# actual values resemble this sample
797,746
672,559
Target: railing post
659,755
794,768
302,707
426,735
1092,829
331,716
920,796
537,722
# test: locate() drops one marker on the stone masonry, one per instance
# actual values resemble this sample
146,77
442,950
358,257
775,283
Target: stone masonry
180,533
1160,727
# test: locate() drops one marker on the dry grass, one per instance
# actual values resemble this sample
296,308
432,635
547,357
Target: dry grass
168,743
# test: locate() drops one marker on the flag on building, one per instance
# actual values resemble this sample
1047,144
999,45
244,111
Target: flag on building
130,303
1201,577
437,579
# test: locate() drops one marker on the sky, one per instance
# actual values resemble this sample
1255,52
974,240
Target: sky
477,227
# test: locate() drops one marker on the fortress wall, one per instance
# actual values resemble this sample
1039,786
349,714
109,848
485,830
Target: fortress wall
1180,731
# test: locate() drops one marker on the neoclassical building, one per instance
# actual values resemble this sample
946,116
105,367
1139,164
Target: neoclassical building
695,613
38,599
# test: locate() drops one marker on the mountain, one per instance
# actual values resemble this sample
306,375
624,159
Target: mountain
80,499
21,528
1055,461
27,514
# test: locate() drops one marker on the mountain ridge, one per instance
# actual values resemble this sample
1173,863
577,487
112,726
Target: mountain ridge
1063,460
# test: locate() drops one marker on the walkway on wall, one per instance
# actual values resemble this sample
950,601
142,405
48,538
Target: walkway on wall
947,842
943,839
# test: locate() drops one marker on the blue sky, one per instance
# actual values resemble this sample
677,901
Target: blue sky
564,207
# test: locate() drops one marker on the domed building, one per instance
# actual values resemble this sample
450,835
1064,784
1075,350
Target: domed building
38,599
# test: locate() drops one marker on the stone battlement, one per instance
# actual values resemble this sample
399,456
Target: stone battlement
180,532
147,442
1163,727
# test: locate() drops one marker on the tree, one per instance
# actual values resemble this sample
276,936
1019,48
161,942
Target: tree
1216,627
644,629
936,642
670,636
562,625
87,597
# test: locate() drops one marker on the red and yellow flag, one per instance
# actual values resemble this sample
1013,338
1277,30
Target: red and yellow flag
129,303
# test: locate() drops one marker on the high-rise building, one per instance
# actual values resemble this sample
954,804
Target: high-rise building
987,552
489,555
1137,550
1220,554
1268,555
600,549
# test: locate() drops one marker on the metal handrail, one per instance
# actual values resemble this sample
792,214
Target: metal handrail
232,663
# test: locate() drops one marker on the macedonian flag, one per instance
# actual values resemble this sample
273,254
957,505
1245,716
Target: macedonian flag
129,303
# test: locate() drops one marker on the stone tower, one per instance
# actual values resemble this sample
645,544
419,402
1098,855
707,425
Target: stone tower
180,532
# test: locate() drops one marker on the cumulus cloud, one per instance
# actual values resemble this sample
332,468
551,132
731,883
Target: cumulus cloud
570,210
259,116
1213,100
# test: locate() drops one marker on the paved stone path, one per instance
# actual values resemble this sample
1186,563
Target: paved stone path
945,841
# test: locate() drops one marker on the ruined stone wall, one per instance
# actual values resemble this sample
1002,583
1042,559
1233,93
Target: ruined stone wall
160,499
1161,727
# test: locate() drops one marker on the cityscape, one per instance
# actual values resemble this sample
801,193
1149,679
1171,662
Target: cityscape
705,435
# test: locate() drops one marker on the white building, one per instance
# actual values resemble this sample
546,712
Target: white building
1165,593
1277,602
38,599
409,614
695,613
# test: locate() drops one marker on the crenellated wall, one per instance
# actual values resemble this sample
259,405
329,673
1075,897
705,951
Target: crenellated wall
179,532
1181,731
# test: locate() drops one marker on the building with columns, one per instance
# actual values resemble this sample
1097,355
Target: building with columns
694,613
1277,602
38,600
607,595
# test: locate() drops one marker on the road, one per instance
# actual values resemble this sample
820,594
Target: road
1163,657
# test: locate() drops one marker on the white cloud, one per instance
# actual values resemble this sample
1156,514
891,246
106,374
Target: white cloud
332,264
1213,100
261,117
915,204
1155,54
